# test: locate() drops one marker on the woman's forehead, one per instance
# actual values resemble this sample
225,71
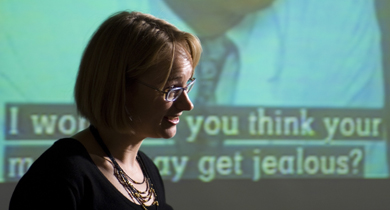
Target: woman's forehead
181,68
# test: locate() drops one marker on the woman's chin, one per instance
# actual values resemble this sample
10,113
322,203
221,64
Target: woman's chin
169,133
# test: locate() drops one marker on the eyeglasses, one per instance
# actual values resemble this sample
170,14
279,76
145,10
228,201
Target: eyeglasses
173,93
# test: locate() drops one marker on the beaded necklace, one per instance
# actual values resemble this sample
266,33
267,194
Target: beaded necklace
125,180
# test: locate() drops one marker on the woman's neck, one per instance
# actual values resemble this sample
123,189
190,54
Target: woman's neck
123,147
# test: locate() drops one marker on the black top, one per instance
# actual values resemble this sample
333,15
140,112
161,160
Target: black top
65,177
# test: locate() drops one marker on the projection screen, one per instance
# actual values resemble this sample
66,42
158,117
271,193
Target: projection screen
291,100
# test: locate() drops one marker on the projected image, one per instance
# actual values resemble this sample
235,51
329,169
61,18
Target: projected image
284,89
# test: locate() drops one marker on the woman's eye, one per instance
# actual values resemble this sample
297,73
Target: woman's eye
169,88
172,86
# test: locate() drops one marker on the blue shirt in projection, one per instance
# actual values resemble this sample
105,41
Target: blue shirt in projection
302,53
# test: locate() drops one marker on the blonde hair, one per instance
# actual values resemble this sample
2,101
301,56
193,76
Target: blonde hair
124,47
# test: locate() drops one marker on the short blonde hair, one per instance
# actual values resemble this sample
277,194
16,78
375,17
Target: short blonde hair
124,47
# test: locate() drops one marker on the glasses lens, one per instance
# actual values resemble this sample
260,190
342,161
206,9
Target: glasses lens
173,94
189,87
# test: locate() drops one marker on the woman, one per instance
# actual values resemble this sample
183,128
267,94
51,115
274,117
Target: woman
132,84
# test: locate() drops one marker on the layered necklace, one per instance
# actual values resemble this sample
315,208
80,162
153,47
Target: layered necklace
142,197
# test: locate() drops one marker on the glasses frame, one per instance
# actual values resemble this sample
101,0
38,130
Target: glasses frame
190,83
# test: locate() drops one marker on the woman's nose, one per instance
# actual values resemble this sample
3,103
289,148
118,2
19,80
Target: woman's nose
184,102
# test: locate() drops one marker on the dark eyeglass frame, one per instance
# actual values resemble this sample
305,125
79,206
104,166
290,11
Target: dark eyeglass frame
190,84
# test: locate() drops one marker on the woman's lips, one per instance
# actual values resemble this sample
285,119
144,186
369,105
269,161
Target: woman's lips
173,120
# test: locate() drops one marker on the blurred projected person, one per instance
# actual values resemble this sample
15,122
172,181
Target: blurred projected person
132,84
287,53
284,52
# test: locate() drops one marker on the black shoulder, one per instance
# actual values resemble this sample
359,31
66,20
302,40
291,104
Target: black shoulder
56,177
63,154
